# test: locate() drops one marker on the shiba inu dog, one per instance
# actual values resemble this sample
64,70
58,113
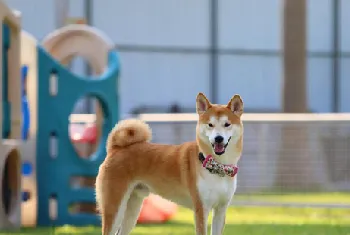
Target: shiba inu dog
200,175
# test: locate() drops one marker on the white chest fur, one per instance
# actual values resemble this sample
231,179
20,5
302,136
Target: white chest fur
215,190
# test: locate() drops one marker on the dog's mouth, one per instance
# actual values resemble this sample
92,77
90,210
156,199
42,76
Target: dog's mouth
219,148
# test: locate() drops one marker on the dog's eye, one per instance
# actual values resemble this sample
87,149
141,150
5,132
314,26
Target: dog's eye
210,125
227,124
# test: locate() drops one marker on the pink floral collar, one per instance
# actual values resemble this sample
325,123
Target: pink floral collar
218,168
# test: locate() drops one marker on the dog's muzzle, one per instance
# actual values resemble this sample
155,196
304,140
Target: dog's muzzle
219,146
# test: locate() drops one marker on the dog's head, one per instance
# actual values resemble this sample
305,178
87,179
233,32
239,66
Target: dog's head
218,125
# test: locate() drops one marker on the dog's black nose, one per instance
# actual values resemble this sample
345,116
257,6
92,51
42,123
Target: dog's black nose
219,139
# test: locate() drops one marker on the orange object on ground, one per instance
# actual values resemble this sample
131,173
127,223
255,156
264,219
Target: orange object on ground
156,209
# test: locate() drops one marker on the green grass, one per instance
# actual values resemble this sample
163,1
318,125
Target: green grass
317,198
245,220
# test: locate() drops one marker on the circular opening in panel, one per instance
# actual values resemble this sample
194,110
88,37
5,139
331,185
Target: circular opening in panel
11,181
85,127
80,66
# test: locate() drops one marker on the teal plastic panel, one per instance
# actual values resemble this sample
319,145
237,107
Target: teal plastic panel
6,125
54,173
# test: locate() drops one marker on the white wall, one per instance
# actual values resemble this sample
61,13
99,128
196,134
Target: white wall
320,39
158,78
345,62
163,78
37,16
154,22
250,25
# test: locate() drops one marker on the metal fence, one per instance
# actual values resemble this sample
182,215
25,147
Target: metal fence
283,153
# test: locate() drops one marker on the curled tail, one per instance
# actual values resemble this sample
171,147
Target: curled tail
128,132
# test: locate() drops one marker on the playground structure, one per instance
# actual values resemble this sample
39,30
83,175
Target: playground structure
10,152
47,175
10,209
45,160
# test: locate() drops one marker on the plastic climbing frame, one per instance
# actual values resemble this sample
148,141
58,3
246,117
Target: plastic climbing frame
55,151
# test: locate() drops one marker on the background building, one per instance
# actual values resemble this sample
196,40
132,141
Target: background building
181,47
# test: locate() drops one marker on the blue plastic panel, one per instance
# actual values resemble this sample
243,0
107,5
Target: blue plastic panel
6,125
54,173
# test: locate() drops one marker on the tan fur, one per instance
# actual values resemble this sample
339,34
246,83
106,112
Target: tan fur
128,132
134,166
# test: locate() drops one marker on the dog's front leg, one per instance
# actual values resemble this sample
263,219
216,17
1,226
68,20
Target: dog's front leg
218,221
201,219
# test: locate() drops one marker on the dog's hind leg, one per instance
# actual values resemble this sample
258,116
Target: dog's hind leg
132,213
114,204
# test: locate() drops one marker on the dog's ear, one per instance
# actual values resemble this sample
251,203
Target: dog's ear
202,103
236,105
